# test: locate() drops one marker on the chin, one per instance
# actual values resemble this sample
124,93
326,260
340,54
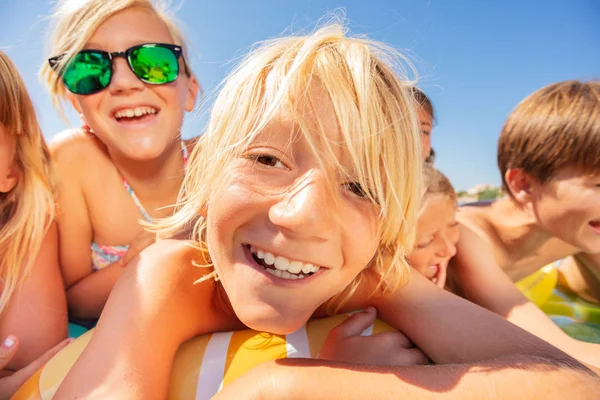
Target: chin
589,246
144,153
273,321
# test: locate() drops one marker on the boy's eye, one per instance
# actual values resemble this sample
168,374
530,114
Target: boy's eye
424,244
269,160
356,189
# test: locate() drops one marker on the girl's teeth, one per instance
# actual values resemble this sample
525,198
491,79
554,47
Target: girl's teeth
281,263
295,267
283,267
134,112
307,268
269,258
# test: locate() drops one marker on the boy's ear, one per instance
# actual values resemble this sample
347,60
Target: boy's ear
520,184
8,182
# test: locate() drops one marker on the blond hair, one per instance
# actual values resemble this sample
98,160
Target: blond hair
75,21
436,184
375,115
28,209
556,127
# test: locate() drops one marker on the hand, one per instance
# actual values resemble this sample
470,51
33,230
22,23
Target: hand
440,277
345,343
11,383
139,243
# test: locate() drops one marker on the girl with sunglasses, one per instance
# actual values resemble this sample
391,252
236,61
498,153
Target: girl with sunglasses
122,66
33,310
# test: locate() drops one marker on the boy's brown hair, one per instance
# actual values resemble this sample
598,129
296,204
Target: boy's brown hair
436,183
556,127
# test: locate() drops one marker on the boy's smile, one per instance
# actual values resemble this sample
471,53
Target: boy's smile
287,231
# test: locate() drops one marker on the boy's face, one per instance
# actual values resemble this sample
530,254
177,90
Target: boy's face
285,232
426,123
568,207
437,235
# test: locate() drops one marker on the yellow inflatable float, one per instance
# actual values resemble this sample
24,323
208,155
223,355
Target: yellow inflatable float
538,287
577,317
204,364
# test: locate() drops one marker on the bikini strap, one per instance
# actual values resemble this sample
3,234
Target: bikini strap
135,199
185,154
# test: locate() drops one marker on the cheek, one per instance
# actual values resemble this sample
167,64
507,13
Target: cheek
360,239
419,259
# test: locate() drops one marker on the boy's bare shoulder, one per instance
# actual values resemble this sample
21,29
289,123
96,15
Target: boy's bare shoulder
174,260
477,221
475,213
171,252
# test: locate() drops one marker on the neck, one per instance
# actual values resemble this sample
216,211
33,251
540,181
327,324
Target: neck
517,228
156,182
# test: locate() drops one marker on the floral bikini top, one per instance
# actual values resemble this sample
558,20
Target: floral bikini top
102,255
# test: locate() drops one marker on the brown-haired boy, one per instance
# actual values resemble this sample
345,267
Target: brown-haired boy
549,158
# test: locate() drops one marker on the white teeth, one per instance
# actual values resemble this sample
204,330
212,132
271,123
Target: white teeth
295,267
137,112
307,268
284,268
283,274
269,258
281,263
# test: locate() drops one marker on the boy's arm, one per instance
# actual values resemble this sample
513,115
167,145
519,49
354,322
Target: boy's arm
508,377
153,308
581,274
451,330
483,282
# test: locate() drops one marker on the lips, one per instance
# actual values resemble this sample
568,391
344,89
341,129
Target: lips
274,265
595,225
132,114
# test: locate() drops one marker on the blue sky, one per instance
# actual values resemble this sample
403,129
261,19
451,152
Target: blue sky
477,59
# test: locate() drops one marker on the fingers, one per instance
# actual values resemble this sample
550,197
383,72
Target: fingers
355,324
25,373
441,276
409,357
393,340
139,243
9,348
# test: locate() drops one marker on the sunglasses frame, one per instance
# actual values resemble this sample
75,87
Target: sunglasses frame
177,52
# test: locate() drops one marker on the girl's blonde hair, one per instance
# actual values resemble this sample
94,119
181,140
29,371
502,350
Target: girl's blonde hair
75,21
375,115
28,209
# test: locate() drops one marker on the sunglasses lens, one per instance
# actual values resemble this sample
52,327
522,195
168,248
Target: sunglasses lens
89,72
154,64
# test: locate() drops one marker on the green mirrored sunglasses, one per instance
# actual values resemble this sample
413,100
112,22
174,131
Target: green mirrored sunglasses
90,71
